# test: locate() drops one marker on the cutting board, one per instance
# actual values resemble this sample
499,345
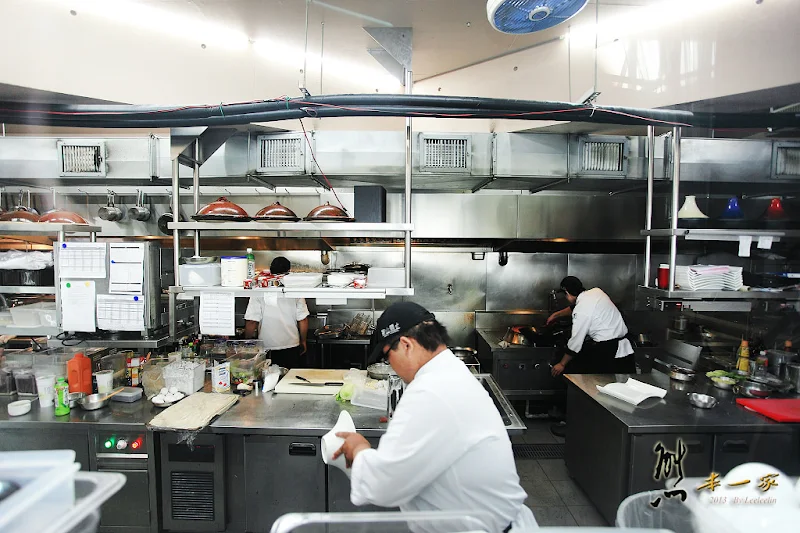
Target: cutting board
778,410
290,384
194,412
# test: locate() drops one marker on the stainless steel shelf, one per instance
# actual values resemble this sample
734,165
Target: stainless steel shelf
35,228
29,332
294,292
152,343
25,289
718,295
354,229
719,234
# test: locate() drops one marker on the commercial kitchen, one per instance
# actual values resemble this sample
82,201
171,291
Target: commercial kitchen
457,175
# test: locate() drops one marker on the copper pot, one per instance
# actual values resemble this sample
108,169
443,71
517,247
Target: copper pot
276,211
19,216
62,216
222,207
329,212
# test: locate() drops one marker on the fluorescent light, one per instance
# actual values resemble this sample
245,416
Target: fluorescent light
157,19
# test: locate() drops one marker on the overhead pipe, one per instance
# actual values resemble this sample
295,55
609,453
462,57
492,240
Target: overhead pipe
139,116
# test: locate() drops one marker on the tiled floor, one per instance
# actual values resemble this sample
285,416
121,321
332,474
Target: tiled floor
554,498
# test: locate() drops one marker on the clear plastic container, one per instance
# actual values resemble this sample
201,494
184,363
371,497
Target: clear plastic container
372,394
47,489
671,514
25,382
7,385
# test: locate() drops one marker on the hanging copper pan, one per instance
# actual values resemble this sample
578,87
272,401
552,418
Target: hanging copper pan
329,213
276,213
19,216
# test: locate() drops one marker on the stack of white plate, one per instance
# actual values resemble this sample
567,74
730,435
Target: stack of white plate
709,277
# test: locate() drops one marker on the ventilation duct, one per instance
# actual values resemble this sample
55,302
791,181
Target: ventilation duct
451,154
605,157
80,158
281,154
786,161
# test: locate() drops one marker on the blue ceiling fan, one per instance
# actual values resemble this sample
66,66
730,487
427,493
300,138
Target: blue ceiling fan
528,16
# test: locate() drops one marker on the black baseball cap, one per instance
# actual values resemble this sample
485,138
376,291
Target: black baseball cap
397,319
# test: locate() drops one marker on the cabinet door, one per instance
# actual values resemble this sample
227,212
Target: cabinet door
339,491
282,475
774,449
696,462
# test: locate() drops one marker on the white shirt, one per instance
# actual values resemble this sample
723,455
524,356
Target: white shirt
278,318
596,316
445,449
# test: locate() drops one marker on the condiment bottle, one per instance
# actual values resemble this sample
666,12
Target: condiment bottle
251,264
79,374
743,361
62,397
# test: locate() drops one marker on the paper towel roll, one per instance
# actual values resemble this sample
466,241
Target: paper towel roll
331,443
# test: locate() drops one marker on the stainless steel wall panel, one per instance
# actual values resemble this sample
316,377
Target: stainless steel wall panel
614,274
530,154
464,216
360,152
576,217
448,281
525,282
725,160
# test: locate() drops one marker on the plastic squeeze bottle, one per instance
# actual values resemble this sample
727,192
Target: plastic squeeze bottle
79,374
62,397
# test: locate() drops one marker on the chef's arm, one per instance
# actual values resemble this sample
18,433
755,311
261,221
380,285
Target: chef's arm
560,314
250,329
419,444
302,327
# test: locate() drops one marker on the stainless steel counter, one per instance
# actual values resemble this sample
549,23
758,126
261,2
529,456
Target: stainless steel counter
673,413
117,416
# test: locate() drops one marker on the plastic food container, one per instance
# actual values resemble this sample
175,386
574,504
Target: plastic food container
25,381
186,376
47,480
7,385
202,275
373,395
302,280
245,368
128,395
26,316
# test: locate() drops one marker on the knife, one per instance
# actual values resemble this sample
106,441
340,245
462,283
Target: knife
326,384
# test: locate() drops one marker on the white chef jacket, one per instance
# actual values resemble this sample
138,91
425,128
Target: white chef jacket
278,318
446,448
596,316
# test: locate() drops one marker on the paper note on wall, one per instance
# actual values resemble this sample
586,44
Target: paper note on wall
126,268
765,242
745,241
77,306
217,313
120,313
81,260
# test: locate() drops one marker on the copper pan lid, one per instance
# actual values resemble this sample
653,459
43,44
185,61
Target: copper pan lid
19,216
222,207
276,211
62,216
329,212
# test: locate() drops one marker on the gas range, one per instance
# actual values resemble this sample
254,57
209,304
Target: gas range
520,371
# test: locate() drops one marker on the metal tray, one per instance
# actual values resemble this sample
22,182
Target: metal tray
220,218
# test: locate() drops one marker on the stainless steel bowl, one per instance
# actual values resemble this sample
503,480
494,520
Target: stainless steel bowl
703,401
74,398
96,401
380,371
753,389
679,373
723,386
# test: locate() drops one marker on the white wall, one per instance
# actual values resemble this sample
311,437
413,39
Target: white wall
694,50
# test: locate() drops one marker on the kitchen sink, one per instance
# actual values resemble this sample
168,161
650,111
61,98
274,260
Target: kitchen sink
514,424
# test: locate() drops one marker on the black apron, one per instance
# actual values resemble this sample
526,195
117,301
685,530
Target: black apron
600,358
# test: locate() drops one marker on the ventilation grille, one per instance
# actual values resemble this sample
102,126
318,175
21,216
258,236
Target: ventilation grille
281,154
81,159
603,157
788,161
446,154
192,495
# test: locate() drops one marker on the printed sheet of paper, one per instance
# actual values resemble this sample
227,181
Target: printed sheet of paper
745,241
217,313
765,242
120,313
77,306
126,268
81,260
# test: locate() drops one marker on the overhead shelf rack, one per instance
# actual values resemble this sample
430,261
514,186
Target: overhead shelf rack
38,331
27,289
41,228
720,234
719,295
298,229
185,293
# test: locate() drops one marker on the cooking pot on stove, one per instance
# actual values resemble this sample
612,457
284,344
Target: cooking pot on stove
514,336
356,268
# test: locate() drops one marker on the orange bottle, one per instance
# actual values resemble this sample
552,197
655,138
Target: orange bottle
79,374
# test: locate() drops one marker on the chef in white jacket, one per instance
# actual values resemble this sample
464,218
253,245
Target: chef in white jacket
598,344
446,447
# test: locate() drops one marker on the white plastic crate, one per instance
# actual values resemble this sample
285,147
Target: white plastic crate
47,489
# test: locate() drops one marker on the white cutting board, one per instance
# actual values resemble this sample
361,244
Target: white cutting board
290,384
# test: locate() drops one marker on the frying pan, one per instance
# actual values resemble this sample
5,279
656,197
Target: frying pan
539,334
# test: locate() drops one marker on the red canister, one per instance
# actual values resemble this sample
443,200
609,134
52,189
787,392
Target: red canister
663,276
